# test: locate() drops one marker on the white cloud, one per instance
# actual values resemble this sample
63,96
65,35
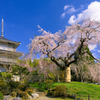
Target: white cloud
63,15
66,6
92,13
92,47
71,10
72,19
99,51
82,6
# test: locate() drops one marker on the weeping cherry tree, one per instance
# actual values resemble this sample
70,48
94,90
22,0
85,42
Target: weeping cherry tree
61,47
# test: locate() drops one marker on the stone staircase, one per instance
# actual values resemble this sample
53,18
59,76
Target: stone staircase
7,97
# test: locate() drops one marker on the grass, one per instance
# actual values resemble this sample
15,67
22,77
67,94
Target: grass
62,99
82,90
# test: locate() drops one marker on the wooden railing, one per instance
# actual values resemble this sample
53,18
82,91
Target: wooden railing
7,60
7,48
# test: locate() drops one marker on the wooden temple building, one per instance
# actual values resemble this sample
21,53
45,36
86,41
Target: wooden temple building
8,53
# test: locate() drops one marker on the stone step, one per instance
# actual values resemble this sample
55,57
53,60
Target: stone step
41,93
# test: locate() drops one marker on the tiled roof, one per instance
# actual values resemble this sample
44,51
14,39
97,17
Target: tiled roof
7,40
2,39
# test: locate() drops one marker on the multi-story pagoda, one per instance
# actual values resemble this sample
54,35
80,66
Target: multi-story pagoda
8,54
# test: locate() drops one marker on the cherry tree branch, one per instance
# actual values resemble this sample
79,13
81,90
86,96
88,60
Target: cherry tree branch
55,61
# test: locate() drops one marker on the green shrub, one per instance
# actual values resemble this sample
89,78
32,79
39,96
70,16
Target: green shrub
58,91
48,83
31,88
41,86
13,84
0,74
24,95
1,96
3,85
16,90
1,78
22,87
13,94
7,90
29,91
6,76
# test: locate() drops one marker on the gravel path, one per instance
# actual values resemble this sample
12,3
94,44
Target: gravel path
43,98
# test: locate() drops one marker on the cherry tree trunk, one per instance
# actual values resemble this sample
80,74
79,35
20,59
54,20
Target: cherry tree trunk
67,74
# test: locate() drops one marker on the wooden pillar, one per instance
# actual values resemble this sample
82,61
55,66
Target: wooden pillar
88,97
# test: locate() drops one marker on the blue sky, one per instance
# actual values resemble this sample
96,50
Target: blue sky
21,17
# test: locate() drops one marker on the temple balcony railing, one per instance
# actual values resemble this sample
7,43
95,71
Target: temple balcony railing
7,60
7,48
